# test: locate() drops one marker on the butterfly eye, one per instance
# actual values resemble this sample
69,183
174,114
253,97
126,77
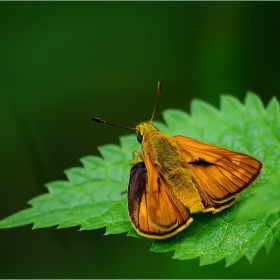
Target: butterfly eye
139,137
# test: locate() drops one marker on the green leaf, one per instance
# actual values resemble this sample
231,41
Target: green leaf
94,196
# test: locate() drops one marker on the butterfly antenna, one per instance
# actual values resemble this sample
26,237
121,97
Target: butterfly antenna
102,121
159,86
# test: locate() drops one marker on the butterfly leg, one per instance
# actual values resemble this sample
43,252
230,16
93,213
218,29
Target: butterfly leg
137,157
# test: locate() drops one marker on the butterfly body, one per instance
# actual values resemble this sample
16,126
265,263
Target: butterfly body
165,155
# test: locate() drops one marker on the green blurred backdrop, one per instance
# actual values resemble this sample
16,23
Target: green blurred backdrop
63,63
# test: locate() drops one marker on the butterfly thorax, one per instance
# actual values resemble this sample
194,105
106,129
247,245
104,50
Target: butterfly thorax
161,149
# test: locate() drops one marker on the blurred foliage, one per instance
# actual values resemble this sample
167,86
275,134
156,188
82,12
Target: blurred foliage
65,62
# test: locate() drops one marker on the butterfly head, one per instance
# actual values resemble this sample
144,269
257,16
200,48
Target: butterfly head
142,129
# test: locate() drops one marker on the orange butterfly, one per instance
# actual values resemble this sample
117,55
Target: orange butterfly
176,176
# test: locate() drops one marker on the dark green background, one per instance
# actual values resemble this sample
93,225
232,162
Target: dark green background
63,63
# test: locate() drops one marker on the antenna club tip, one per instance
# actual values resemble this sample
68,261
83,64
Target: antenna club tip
97,120
159,86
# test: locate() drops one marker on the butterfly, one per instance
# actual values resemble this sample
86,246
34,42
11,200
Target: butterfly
176,176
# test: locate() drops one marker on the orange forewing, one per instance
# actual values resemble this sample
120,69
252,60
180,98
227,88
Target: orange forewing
219,174
153,210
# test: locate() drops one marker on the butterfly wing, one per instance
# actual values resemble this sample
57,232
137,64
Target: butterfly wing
154,211
218,174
